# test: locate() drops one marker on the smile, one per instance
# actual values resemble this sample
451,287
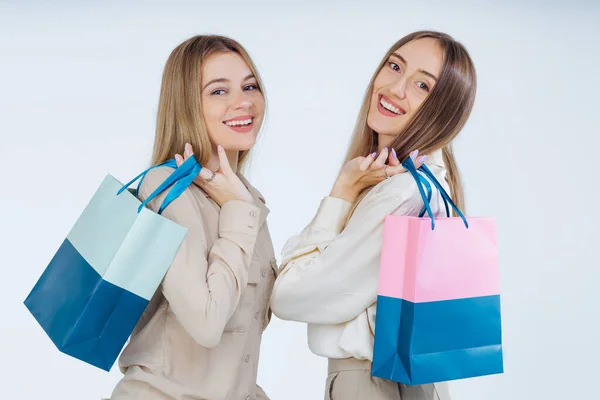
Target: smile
385,105
241,124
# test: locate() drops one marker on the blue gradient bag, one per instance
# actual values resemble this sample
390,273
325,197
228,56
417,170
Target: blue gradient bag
97,285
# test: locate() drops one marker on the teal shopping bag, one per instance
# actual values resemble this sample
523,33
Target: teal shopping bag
97,285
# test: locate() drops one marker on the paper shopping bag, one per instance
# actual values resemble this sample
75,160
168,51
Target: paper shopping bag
97,285
438,305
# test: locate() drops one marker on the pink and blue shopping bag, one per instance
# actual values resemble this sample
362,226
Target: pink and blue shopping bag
438,304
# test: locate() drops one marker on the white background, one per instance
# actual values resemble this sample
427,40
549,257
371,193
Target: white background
78,94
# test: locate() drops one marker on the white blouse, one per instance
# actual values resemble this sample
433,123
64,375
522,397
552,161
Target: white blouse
329,275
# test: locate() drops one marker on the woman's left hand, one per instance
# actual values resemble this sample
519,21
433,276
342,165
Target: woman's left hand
222,185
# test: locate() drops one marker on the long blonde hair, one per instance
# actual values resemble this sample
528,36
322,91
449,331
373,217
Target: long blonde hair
179,118
438,120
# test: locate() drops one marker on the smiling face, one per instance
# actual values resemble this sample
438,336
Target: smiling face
233,105
402,85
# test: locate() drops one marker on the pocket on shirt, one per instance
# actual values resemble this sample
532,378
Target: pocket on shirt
241,319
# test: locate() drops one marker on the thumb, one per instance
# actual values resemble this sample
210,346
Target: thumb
223,161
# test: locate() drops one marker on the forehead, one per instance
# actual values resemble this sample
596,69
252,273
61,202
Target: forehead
225,65
425,54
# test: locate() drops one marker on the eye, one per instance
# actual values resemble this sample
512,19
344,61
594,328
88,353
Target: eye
394,66
250,87
218,92
423,86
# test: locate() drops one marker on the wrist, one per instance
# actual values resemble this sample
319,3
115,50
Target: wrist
344,192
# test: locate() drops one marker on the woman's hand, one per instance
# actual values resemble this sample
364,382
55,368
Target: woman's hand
362,172
222,185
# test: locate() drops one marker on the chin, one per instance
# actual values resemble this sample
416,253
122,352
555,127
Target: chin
241,144
379,126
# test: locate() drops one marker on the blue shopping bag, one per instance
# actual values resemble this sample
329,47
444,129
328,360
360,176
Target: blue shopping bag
97,285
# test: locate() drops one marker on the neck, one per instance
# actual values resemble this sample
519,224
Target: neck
232,156
214,164
383,141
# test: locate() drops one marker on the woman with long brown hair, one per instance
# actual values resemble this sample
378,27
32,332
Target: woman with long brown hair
416,103
199,337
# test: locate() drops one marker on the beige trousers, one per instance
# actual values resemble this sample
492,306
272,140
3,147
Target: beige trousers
350,379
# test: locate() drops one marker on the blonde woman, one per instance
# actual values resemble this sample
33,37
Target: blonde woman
200,336
419,98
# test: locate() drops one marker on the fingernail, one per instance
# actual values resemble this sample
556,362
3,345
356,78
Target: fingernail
414,154
385,149
422,159
220,148
394,153
374,154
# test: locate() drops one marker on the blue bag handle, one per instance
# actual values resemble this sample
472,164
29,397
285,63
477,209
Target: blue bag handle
410,167
181,178
445,195
179,186
425,183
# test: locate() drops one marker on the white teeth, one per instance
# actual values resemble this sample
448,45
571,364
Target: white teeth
390,107
236,123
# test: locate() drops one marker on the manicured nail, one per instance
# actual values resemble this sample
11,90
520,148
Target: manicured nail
220,148
422,159
414,154
394,153
374,154
188,149
385,149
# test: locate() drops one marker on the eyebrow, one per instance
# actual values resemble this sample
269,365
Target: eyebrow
398,56
223,80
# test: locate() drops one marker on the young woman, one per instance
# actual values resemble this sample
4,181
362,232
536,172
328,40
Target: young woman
200,336
419,98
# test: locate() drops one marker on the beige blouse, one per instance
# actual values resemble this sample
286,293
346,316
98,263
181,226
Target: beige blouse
200,336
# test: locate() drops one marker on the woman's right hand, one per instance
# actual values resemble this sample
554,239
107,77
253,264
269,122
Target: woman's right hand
222,185
363,172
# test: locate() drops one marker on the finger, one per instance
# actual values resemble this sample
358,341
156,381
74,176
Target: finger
188,151
414,155
395,170
223,161
380,161
178,160
364,165
393,158
205,174
420,161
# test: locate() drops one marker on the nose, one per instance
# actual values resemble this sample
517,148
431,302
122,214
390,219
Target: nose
242,101
399,87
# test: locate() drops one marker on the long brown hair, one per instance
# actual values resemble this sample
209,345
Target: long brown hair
437,121
179,118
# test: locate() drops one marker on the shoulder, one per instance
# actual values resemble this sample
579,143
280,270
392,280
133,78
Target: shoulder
405,182
253,190
401,191
189,201
153,179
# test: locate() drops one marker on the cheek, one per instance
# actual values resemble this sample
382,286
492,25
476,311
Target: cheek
212,111
259,104
415,102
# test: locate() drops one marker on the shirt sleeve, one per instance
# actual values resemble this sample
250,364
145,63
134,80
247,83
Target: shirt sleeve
329,275
203,285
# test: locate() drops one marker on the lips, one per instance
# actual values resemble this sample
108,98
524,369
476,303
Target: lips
388,108
241,124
